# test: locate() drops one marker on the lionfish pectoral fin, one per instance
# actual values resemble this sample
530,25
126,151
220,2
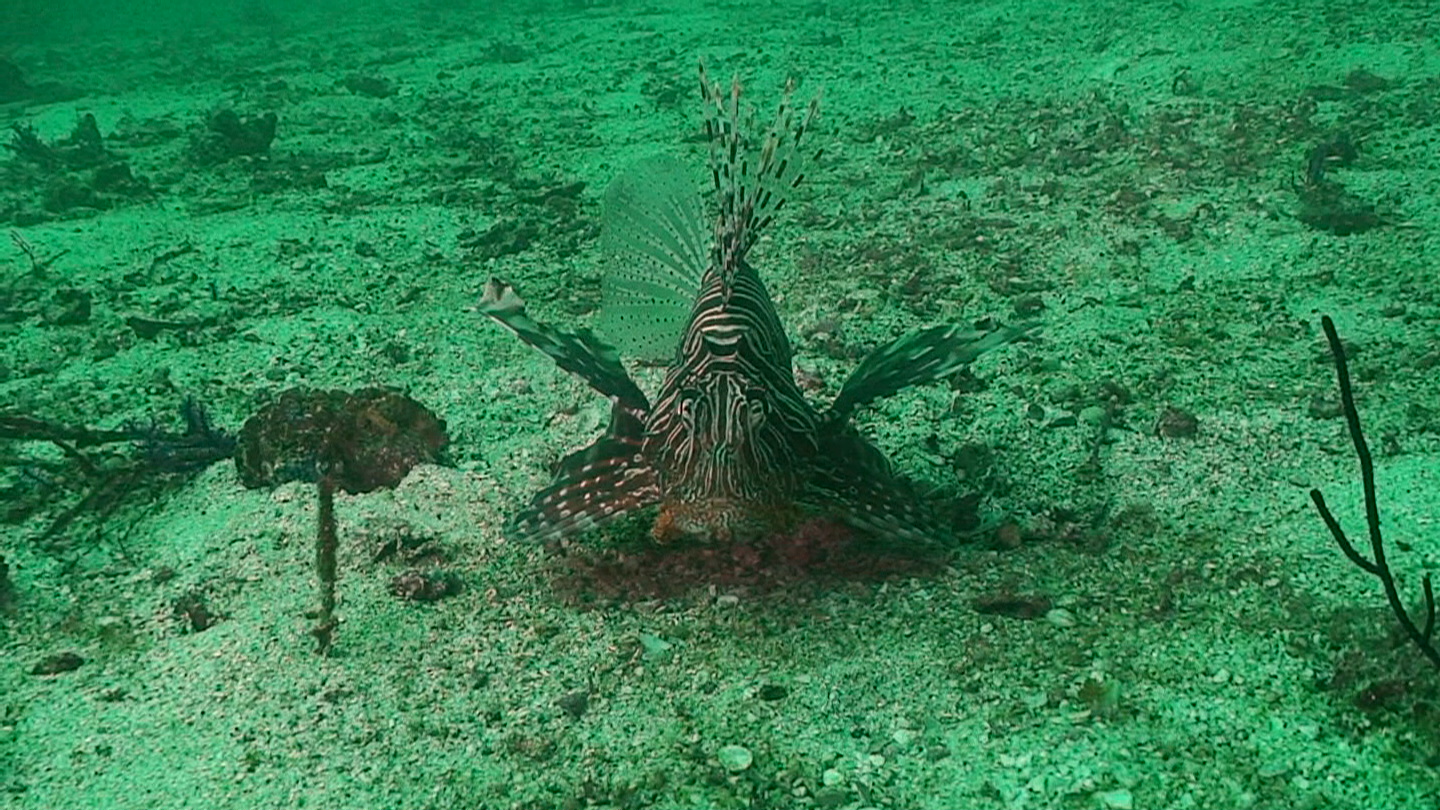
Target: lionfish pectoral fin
917,358
657,245
579,353
852,482
593,486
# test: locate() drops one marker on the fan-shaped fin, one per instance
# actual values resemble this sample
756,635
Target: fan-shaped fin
915,359
657,244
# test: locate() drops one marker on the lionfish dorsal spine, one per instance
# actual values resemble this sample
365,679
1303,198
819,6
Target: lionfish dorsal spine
751,185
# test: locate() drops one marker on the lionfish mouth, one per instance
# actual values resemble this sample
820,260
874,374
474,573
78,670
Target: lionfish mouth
720,520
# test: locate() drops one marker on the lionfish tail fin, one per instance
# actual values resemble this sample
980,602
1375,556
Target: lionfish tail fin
915,359
593,485
579,353
752,185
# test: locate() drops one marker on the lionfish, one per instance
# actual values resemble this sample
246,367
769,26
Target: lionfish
730,448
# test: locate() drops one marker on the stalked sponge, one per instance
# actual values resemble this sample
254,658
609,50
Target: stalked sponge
367,439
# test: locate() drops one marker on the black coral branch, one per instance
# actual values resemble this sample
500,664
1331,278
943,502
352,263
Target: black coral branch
1376,564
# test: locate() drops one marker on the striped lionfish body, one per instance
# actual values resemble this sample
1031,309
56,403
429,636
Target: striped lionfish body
730,447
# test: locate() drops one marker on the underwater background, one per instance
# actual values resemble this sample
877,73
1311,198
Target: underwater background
211,206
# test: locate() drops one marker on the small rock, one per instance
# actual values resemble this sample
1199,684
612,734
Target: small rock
656,648
1027,306
1324,406
56,664
1274,770
1093,415
193,611
1116,799
735,758
368,85
1015,606
7,591
773,691
1176,423
1060,617
1009,536
425,586
575,703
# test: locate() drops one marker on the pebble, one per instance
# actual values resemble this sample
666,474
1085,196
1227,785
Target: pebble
1273,770
56,664
1062,421
735,758
1060,617
1116,799
656,648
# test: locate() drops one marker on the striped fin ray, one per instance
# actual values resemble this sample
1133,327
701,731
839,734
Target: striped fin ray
751,186
657,247
852,481
593,485
579,353
917,358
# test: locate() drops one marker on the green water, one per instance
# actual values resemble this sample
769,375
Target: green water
1140,608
